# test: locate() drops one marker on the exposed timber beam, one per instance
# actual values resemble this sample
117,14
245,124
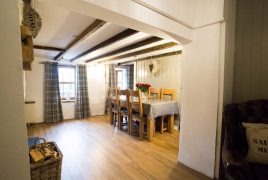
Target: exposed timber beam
143,51
122,35
89,30
127,48
48,48
153,57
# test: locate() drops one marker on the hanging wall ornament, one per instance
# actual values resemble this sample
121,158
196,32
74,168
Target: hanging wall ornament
31,18
152,67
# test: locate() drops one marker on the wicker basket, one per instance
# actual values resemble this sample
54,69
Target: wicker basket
49,169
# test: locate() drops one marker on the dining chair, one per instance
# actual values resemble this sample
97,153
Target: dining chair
113,105
154,93
123,110
171,94
136,111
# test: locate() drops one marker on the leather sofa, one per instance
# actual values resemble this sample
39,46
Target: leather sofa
235,147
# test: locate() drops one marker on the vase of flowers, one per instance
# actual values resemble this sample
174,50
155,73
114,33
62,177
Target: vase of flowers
144,88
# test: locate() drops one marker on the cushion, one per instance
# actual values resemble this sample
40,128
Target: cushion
257,138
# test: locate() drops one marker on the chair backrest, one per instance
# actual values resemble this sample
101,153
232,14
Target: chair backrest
154,93
123,96
113,97
168,92
135,102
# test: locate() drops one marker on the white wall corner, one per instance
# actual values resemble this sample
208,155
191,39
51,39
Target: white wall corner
199,100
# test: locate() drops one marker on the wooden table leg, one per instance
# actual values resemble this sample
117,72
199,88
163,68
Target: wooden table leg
150,129
129,125
119,121
171,124
111,116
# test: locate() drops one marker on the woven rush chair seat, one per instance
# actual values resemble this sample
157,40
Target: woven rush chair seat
137,115
115,109
124,111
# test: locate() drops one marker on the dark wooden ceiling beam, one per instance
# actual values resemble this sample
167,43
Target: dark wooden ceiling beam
143,51
122,35
127,48
89,30
153,57
48,48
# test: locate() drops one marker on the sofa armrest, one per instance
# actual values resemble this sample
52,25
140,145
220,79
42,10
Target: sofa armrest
235,165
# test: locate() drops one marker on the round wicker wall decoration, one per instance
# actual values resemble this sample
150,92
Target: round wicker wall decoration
31,19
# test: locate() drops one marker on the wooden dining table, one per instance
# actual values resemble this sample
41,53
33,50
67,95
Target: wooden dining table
154,108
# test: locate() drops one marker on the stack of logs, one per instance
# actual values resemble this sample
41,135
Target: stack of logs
42,152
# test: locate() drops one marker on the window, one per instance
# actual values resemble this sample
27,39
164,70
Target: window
67,82
121,78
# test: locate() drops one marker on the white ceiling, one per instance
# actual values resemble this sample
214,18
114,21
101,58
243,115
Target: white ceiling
145,55
61,26
106,31
45,53
122,43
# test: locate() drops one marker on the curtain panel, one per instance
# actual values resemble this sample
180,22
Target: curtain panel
130,76
82,110
109,82
52,100
112,76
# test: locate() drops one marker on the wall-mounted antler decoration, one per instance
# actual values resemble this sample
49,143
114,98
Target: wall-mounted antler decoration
31,18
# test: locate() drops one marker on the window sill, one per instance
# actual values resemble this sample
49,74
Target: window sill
68,101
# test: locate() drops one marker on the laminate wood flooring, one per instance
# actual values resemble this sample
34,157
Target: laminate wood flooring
93,149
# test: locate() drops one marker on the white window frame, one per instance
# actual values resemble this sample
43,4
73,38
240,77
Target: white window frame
124,74
72,99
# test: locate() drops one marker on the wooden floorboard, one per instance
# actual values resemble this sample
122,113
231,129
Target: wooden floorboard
93,149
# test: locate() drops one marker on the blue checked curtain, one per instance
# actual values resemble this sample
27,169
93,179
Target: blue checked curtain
130,76
52,100
82,110
109,82
111,76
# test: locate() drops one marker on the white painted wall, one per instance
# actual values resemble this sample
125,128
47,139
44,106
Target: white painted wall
168,75
251,57
13,136
34,92
199,100
227,52
96,89
35,85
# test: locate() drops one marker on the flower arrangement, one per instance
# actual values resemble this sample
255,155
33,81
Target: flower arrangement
143,87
